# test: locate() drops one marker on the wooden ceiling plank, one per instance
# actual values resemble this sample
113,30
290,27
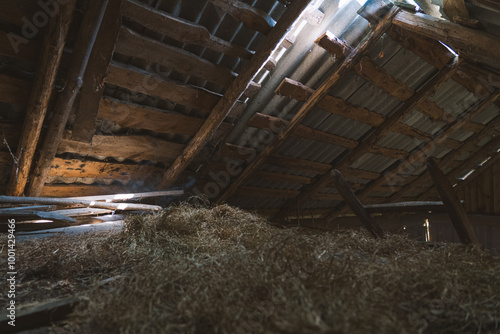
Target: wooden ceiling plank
179,29
53,45
97,69
81,54
137,148
232,94
251,17
26,51
346,66
134,45
14,90
141,117
103,170
143,82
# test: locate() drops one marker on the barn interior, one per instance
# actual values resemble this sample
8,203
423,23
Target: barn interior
373,116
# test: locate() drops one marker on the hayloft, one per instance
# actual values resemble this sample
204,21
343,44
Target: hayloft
319,114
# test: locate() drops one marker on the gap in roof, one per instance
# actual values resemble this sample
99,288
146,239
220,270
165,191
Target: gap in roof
342,3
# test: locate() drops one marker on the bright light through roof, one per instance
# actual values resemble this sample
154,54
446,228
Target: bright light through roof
342,3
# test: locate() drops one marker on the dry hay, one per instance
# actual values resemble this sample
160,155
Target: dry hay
223,270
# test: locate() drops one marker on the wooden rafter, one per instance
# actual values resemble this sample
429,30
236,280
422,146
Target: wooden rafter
347,65
180,29
81,54
97,68
471,42
447,161
251,17
232,94
382,79
420,154
293,89
407,107
54,41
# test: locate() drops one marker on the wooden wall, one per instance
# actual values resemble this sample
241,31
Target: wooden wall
481,194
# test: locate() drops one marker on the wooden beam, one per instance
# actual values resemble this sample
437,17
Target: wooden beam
68,190
36,215
347,65
134,147
104,170
97,68
251,17
476,44
356,206
14,90
180,29
132,44
295,90
380,78
131,115
232,94
455,209
126,196
365,145
415,206
53,45
306,132
249,191
280,177
486,4
74,80
298,164
69,201
143,82
42,314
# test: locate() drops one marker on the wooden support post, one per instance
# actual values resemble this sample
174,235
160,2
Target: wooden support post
93,82
455,209
347,65
54,41
81,54
356,206
239,85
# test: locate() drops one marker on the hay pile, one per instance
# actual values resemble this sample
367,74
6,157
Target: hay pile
222,270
